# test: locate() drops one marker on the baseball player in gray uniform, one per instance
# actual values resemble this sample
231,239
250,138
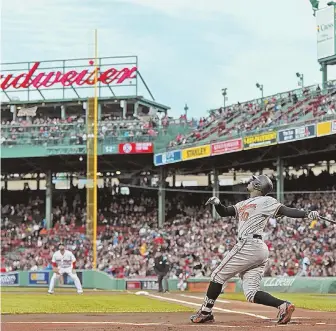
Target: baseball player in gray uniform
249,256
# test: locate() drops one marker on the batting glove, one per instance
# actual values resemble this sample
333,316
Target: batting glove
313,215
213,201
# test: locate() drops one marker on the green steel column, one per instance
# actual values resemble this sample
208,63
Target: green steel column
324,75
99,111
215,191
48,204
162,198
6,182
38,181
13,111
136,108
174,180
280,180
124,108
63,112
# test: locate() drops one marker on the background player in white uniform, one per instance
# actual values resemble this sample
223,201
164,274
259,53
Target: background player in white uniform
64,262
249,256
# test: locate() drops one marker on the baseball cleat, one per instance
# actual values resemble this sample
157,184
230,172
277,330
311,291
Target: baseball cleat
199,317
285,312
50,293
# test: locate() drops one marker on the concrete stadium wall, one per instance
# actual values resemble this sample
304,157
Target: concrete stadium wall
91,279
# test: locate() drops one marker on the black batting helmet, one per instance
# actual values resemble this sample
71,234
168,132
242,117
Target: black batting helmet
262,183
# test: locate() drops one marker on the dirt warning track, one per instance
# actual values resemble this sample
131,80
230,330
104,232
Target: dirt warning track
229,315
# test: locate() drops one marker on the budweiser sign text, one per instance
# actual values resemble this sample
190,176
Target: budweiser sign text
38,78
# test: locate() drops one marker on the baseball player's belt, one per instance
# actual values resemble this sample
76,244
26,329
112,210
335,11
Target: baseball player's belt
254,236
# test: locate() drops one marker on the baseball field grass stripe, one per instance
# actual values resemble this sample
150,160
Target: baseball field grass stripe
14,303
315,302
215,308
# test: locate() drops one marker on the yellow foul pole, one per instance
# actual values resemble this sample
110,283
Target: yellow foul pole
95,151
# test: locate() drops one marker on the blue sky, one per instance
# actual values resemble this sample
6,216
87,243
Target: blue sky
188,49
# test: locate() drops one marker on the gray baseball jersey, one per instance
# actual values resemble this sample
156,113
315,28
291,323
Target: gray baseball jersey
254,213
249,256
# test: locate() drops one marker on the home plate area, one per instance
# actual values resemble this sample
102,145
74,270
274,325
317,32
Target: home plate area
229,315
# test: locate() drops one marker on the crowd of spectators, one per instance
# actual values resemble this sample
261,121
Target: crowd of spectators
262,114
128,236
53,131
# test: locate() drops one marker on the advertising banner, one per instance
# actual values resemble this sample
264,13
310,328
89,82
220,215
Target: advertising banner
136,148
228,146
68,281
299,133
9,279
196,152
38,278
260,140
325,30
66,150
110,149
326,128
146,283
133,285
149,285
167,157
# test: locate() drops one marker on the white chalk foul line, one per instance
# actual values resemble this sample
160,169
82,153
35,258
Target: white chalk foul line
220,326
138,324
199,298
215,308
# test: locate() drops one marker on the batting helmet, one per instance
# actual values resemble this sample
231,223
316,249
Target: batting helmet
262,183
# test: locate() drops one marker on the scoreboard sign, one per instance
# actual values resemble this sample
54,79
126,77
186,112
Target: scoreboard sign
325,30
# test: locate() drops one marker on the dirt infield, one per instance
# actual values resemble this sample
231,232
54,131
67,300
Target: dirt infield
230,315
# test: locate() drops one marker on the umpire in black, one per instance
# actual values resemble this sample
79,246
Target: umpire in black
161,268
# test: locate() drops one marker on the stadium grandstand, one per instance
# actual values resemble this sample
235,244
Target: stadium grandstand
144,208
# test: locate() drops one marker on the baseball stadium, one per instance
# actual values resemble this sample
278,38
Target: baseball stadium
118,215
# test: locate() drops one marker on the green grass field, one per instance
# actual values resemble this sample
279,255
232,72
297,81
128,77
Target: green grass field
16,300
322,302
18,303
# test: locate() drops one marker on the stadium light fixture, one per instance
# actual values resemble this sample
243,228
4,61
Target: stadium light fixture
186,110
224,94
300,76
261,88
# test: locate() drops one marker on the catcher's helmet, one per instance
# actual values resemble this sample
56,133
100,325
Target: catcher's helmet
262,183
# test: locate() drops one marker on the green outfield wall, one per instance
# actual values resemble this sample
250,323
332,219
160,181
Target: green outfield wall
91,279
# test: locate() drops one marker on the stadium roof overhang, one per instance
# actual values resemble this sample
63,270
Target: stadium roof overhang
294,154
74,102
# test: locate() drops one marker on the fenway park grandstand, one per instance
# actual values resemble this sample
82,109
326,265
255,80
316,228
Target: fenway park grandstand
155,172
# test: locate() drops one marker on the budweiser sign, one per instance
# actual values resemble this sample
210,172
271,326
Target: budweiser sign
36,78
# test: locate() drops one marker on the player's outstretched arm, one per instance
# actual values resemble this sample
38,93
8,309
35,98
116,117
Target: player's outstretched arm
296,213
222,210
